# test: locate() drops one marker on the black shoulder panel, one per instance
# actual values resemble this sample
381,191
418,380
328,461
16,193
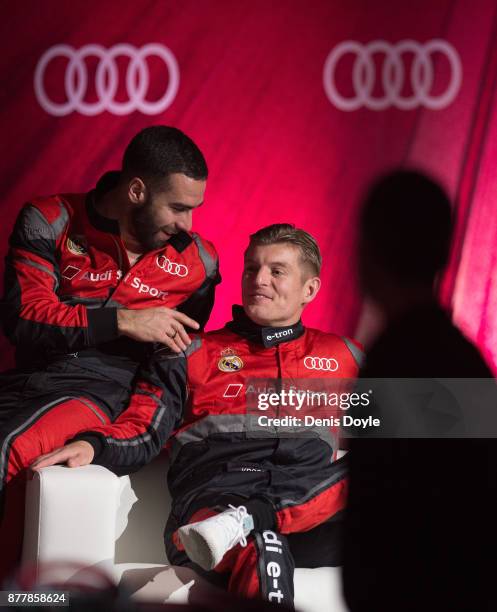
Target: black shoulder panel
180,241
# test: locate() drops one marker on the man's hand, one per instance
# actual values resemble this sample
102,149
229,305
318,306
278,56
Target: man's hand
163,325
74,454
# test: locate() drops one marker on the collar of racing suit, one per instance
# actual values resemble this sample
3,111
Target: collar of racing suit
267,336
105,183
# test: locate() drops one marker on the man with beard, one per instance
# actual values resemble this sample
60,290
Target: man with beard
92,282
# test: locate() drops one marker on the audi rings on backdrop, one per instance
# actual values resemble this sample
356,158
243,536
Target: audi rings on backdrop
172,267
393,75
107,80
327,364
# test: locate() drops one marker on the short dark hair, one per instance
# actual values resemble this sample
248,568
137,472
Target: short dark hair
406,226
277,233
158,151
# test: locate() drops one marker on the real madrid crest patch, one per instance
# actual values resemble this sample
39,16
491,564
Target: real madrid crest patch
77,245
229,362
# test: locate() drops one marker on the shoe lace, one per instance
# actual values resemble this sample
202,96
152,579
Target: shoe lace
239,515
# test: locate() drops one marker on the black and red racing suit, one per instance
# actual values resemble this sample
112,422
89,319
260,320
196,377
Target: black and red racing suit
67,274
198,400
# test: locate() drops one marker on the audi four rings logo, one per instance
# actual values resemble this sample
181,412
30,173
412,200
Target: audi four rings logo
172,267
107,80
321,363
393,75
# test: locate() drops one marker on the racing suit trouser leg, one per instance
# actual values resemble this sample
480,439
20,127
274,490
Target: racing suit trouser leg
303,517
262,569
39,430
291,509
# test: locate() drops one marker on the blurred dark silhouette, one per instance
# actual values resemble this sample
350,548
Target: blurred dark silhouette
421,521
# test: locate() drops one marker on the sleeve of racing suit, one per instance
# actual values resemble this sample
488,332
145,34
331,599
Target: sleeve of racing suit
32,314
154,411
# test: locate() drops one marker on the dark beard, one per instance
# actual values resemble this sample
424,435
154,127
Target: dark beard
144,227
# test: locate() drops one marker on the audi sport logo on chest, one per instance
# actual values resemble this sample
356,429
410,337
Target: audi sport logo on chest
400,87
171,267
118,89
142,287
326,364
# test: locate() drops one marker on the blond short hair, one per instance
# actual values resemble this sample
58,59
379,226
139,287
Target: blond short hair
277,233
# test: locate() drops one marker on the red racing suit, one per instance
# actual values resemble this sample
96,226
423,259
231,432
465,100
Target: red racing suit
67,273
199,399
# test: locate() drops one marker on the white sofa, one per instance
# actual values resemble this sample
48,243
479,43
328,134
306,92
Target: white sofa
89,517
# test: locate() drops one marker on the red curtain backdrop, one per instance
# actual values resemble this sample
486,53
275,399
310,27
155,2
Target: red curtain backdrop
296,105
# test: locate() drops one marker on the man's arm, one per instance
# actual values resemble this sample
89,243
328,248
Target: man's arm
32,313
155,410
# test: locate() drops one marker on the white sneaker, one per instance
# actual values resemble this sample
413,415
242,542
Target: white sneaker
206,542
